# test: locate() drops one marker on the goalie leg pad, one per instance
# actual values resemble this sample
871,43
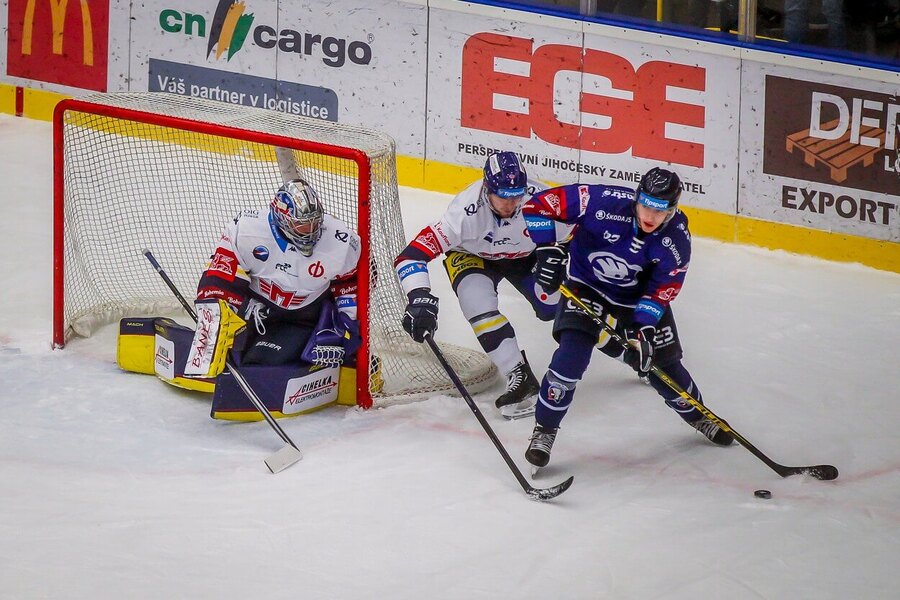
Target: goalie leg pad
135,345
173,343
286,390
158,346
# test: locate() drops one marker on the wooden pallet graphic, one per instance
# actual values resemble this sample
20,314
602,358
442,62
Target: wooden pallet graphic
838,155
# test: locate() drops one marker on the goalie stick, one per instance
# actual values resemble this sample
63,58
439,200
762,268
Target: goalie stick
823,472
533,492
290,453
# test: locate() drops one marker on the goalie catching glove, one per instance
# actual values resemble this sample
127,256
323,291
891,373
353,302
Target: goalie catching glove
217,325
335,339
421,314
550,266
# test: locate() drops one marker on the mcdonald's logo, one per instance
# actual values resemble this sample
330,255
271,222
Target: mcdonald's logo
59,41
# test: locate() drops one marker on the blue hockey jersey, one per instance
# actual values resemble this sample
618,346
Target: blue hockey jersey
609,252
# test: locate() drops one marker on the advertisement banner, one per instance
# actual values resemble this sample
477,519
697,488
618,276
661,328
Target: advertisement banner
582,107
61,42
360,63
825,156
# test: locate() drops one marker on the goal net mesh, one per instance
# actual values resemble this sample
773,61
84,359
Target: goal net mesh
167,172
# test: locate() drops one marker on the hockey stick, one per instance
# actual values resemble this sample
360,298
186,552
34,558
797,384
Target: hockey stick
290,453
533,492
824,472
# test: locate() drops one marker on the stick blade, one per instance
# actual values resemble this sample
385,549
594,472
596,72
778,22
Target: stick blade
823,472
543,494
283,459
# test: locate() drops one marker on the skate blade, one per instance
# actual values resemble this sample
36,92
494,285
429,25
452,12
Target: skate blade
523,409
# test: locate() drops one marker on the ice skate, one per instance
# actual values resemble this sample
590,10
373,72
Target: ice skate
538,453
520,397
712,431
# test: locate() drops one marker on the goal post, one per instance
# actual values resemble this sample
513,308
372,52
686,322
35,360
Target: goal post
167,172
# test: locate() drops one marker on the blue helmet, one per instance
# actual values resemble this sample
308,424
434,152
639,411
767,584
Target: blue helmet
659,189
504,175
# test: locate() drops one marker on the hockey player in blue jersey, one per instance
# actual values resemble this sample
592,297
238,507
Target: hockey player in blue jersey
627,260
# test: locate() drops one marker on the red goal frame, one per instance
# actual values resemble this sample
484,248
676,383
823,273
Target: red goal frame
363,396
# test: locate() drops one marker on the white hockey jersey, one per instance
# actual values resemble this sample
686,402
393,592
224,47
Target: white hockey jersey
253,254
468,225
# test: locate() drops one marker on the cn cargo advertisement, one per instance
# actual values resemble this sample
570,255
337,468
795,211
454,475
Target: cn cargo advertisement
360,63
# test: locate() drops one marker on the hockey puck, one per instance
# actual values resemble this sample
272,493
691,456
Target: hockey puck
766,494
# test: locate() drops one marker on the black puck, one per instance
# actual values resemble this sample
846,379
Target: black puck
763,494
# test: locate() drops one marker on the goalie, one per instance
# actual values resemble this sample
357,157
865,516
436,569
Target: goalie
280,288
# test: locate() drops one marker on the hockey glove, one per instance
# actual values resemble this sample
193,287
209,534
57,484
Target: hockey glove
550,267
335,340
640,355
421,314
217,324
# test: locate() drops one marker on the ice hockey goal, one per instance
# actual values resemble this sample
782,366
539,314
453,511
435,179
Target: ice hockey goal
166,172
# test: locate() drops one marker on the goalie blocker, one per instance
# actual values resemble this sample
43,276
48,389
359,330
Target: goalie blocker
160,346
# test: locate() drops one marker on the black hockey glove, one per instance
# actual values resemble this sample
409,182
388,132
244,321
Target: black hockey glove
421,314
550,267
640,354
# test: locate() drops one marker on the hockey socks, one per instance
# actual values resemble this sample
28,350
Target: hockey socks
680,376
569,362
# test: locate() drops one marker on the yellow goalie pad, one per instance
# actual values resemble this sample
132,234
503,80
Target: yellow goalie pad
136,345
159,346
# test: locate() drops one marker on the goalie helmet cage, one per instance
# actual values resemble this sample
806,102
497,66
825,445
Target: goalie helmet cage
166,172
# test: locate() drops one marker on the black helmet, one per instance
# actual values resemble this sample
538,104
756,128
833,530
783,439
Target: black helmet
659,189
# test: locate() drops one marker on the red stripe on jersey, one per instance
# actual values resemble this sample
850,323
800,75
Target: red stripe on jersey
280,297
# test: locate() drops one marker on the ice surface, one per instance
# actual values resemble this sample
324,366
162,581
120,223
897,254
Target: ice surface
116,485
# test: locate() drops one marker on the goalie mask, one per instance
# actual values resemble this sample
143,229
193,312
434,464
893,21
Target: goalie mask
298,212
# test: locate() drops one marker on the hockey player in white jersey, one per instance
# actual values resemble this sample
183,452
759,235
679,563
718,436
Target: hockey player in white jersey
278,270
485,239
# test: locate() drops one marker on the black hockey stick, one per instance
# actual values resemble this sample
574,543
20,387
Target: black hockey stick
533,492
824,472
290,453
